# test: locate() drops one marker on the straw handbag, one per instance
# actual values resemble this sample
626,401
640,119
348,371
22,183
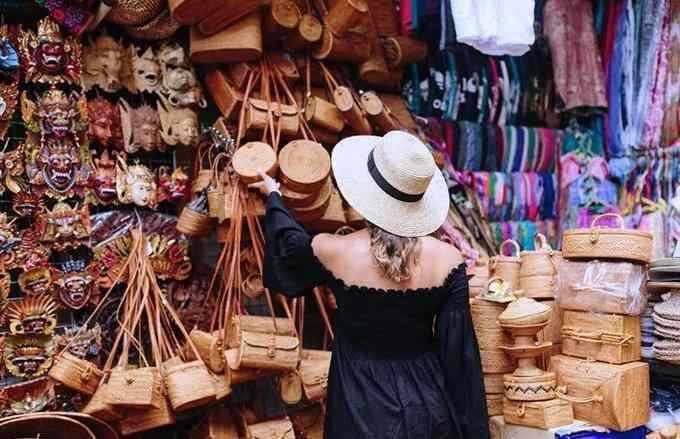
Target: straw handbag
242,41
76,373
138,421
218,424
258,113
344,15
309,422
275,429
507,267
305,166
478,276
230,13
194,219
379,115
98,406
602,243
227,97
347,102
538,270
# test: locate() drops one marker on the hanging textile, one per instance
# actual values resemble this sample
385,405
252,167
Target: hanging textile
495,27
569,29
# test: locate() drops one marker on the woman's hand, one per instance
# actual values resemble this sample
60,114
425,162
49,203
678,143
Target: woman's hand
267,186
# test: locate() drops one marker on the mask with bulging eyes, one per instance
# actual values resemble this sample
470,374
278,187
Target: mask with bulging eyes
65,227
28,356
146,71
104,64
48,57
76,288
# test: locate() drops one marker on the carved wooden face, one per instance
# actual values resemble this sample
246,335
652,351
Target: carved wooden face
35,281
105,125
57,113
64,226
28,356
59,162
75,289
105,179
146,71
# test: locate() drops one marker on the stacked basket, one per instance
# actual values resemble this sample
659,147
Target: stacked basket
495,362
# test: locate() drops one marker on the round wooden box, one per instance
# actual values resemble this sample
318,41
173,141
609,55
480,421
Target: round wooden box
295,199
252,158
305,166
318,208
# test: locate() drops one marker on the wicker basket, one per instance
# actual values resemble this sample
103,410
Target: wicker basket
139,388
493,383
189,385
318,209
162,27
507,267
525,311
479,276
140,420
494,404
210,348
295,199
190,12
535,388
193,223
496,361
333,219
305,166
135,12
76,373
385,19
242,41
252,158
602,243
98,406
538,270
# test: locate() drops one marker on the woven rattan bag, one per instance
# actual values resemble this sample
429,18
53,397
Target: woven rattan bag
598,242
507,267
538,269
135,12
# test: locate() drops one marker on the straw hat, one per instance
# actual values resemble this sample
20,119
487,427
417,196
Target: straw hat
393,182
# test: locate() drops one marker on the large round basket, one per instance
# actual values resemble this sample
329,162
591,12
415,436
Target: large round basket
305,166
252,158
135,12
47,426
318,208
334,217
507,267
536,388
297,199
598,242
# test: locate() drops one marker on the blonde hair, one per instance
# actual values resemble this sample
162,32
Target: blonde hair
393,254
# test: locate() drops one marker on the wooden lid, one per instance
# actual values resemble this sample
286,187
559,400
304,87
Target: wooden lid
318,208
252,158
286,13
297,199
304,165
324,46
342,96
372,103
310,28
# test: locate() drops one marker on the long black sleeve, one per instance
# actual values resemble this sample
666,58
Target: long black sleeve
459,353
290,266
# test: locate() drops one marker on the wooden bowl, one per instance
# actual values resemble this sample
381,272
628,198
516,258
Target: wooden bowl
252,158
305,166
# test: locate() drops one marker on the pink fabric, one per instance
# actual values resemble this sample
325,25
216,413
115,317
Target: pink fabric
651,136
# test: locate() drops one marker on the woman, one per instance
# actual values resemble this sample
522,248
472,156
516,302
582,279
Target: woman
405,359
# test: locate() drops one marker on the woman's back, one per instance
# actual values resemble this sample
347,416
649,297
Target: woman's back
351,259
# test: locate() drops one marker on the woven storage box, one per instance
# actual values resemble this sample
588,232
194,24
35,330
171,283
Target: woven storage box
613,396
496,362
507,267
76,373
230,13
493,383
227,97
538,414
602,243
603,337
606,287
494,404
192,11
317,209
478,276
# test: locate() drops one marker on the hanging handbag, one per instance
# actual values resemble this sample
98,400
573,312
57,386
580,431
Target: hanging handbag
507,267
274,429
309,422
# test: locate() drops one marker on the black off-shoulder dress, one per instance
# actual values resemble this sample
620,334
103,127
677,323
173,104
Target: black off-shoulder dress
394,374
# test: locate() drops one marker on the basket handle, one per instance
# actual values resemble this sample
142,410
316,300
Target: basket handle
521,410
541,242
596,337
561,393
597,219
511,242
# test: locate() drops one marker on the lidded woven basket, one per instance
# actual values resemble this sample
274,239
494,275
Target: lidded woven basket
525,311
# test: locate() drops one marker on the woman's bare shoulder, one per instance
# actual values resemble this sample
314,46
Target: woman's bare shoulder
442,252
327,247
